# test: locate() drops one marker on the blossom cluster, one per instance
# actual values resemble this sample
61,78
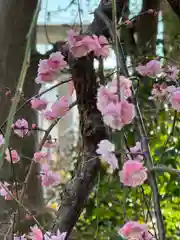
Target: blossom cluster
115,103
163,91
117,112
37,234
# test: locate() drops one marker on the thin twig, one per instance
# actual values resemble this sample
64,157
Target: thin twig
20,83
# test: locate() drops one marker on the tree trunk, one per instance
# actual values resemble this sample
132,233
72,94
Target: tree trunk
15,20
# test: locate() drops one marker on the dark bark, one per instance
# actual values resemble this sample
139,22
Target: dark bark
175,5
91,126
15,20
146,28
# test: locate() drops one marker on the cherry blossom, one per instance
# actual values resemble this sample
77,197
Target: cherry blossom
133,173
58,109
2,140
40,156
125,85
151,69
119,114
81,46
160,91
45,73
56,61
14,155
104,97
21,127
171,73
136,151
135,231
3,191
36,233
48,177
38,104
175,99
59,236
106,150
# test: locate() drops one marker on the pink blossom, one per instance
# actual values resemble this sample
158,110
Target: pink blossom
104,97
59,236
48,177
40,156
56,61
21,127
125,87
3,187
135,231
39,104
171,73
58,109
133,173
45,73
19,238
119,114
100,46
151,69
159,91
81,46
136,151
106,150
14,155
175,100
36,233
2,141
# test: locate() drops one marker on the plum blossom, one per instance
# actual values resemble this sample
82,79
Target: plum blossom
49,68
59,236
125,85
19,237
3,191
36,233
81,45
119,114
151,69
137,151
175,99
20,127
40,156
104,97
116,113
2,141
48,177
171,73
56,61
38,104
159,91
45,73
14,155
133,173
58,109
106,150
135,231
